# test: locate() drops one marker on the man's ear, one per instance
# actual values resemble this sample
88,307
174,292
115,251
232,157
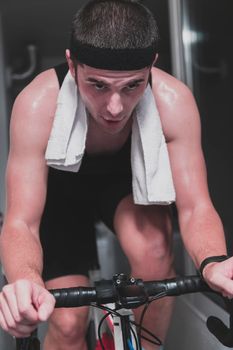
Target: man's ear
70,63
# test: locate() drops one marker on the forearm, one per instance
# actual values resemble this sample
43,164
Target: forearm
202,233
21,253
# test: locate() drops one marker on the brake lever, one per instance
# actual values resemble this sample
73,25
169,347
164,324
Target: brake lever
223,333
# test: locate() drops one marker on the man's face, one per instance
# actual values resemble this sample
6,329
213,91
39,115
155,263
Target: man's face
111,96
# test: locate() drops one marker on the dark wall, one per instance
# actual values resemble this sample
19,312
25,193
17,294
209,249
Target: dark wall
47,23
43,23
212,56
160,11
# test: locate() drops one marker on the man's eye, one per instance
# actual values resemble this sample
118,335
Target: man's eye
132,86
99,86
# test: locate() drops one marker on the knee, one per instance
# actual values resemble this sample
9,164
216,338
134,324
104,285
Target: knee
155,248
145,234
68,325
153,260
155,233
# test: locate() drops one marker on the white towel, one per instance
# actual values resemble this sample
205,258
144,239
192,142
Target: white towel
152,178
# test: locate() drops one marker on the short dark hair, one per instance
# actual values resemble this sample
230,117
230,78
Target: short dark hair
114,24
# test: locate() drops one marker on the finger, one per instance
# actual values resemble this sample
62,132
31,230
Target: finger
23,330
226,295
10,322
4,326
18,330
3,323
14,328
24,302
17,334
11,300
46,306
44,312
225,285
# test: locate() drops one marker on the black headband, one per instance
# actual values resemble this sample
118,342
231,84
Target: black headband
113,59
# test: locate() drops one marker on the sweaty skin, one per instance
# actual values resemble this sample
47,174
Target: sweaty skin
110,98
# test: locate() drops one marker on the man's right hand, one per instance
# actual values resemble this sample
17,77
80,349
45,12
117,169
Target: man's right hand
24,304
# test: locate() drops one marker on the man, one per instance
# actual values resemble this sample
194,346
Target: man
48,236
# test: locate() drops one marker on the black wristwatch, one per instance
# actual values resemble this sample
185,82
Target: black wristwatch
210,259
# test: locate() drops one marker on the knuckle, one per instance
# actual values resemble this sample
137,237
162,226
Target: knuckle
21,282
3,325
11,325
6,289
53,300
23,312
18,318
8,322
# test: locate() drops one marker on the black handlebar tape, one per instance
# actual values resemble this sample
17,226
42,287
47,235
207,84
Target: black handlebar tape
177,286
220,331
105,293
72,297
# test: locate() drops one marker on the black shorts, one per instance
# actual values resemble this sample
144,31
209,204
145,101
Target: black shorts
75,201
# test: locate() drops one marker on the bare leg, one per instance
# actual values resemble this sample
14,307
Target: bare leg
67,327
145,234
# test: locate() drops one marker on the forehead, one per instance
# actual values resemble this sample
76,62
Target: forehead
111,75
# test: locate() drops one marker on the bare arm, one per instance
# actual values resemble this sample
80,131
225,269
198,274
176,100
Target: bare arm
200,225
20,249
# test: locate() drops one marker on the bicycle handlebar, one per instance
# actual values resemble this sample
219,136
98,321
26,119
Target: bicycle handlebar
107,291
131,293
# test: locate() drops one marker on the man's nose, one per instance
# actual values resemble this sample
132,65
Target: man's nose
115,105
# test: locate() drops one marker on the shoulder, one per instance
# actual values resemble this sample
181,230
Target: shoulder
167,88
34,108
176,104
41,92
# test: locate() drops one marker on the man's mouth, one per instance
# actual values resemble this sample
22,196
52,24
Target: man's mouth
113,120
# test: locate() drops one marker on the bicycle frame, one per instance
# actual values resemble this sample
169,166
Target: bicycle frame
122,333
121,327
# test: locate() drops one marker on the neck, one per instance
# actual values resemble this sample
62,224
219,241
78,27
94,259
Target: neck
100,141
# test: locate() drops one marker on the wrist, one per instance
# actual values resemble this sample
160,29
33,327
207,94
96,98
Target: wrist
27,274
210,260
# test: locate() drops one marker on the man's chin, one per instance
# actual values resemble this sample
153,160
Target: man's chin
113,125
